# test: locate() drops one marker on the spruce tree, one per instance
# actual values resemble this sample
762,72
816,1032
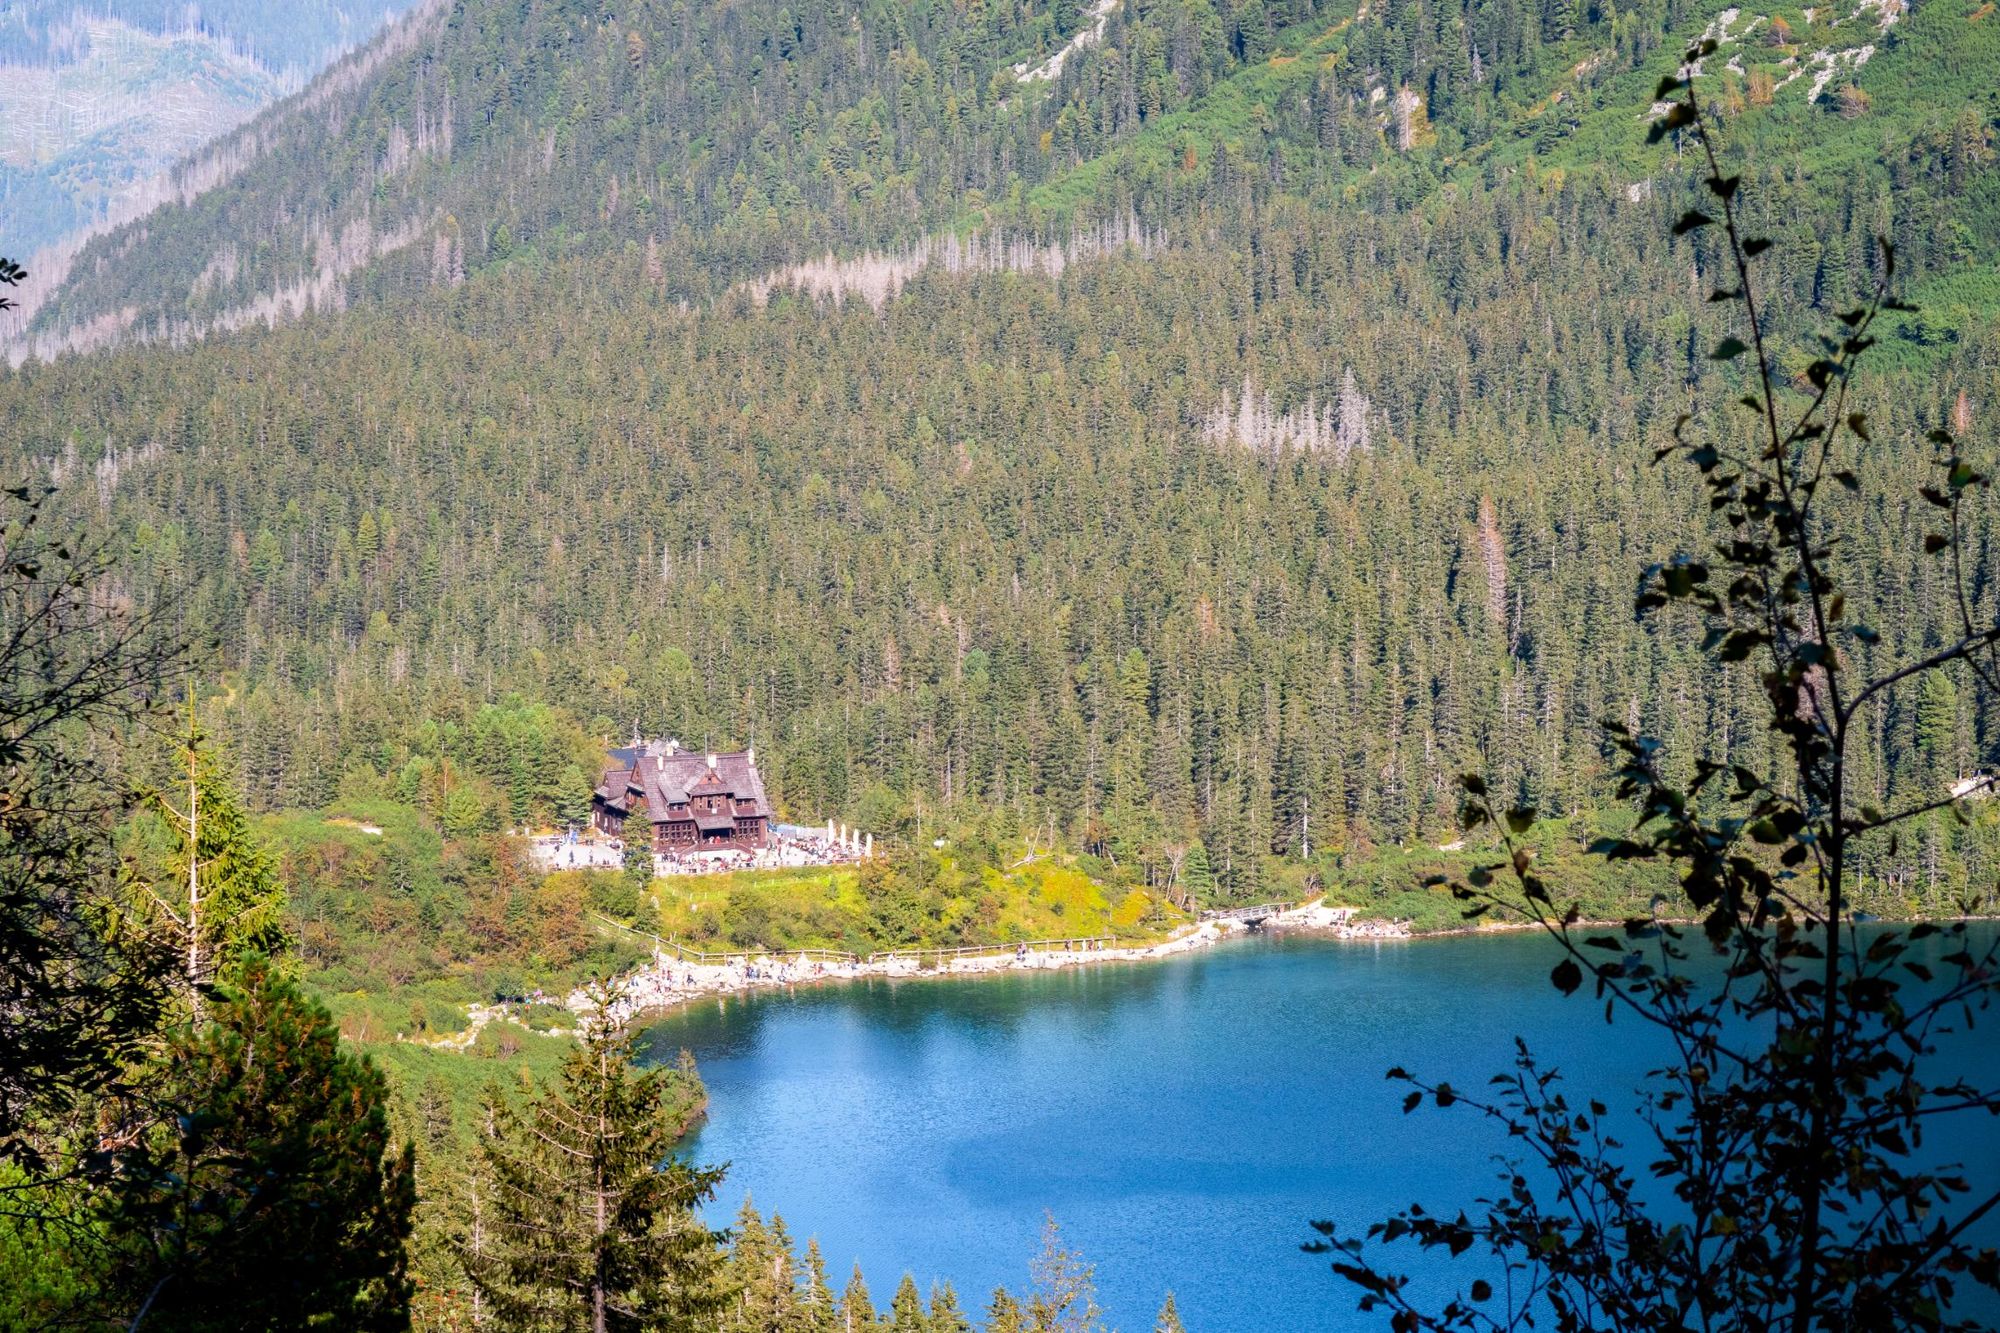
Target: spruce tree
1003,1314
758,1276
218,885
857,1310
906,1309
638,850
1939,729
817,1310
591,1221
447,1213
1169,1319
261,1188
1197,875
946,1317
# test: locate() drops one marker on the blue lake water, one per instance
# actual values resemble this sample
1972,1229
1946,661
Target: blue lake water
1181,1120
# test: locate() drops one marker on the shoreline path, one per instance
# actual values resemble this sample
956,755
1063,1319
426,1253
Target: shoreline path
667,982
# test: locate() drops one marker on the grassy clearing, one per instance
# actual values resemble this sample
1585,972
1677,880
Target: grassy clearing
503,1055
922,902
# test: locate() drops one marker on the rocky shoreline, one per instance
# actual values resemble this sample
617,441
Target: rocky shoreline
667,982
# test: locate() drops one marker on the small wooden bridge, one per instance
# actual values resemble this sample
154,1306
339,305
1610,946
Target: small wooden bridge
1249,916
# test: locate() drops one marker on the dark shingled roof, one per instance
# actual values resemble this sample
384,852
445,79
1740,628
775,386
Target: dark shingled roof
667,775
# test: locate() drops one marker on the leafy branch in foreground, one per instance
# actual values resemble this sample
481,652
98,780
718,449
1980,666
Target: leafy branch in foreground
80,987
1789,1184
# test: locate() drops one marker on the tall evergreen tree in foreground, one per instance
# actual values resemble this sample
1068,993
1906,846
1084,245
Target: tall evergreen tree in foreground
265,1192
1789,1121
589,1217
218,888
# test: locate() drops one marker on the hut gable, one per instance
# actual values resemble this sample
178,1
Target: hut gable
693,800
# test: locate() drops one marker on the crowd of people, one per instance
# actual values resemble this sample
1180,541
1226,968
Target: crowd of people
672,978
784,852
562,851
568,851
811,849
681,861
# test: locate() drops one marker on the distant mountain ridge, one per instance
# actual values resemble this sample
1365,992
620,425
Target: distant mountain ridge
97,100
729,143
123,105
300,36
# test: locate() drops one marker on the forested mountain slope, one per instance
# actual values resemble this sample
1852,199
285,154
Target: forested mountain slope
1317,481
722,141
985,545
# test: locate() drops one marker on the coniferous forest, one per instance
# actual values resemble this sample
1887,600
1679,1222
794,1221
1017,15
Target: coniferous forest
1315,486
1133,458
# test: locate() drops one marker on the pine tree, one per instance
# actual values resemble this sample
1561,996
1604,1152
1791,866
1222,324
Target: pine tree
1169,1320
592,1221
265,1192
